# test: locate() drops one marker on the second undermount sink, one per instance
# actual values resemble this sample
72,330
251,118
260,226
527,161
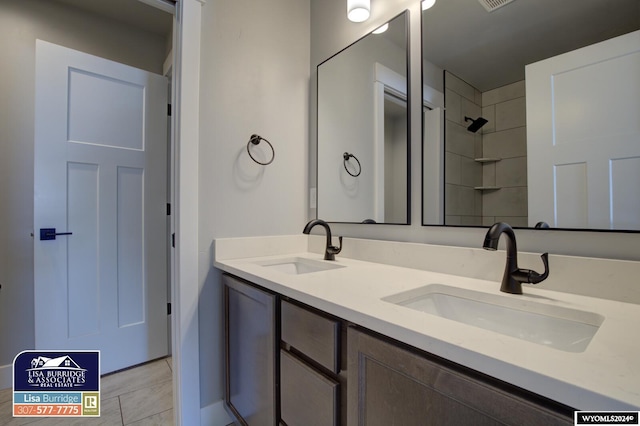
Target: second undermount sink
298,265
558,327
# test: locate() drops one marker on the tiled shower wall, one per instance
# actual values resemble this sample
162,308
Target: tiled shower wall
505,137
462,173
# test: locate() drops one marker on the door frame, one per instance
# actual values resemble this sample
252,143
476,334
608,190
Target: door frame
184,140
184,279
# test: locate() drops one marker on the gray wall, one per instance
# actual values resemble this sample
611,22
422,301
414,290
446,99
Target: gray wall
254,78
21,22
330,32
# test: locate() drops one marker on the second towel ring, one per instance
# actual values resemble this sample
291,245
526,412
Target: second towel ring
255,140
346,157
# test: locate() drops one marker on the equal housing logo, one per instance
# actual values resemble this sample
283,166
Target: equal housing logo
56,383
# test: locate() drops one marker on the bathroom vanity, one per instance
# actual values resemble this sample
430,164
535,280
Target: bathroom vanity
283,360
335,343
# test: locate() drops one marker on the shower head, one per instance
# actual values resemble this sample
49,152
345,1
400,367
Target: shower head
475,124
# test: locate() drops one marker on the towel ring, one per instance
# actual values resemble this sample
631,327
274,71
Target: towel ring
255,139
346,157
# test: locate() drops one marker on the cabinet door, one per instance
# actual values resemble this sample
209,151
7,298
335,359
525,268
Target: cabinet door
250,346
389,385
308,398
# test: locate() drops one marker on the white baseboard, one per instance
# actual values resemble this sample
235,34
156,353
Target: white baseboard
6,376
215,415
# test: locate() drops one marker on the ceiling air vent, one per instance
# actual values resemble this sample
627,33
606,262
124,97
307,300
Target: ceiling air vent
492,5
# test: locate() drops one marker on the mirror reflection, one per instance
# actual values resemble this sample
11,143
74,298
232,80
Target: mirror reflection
541,116
362,129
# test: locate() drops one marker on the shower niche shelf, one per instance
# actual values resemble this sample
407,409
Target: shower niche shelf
487,160
487,188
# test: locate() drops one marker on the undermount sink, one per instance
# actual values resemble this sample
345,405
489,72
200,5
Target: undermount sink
298,265
561,328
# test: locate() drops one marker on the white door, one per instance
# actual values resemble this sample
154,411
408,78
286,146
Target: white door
100,174
583,136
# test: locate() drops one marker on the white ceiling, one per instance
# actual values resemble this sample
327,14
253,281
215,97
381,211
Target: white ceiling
489,50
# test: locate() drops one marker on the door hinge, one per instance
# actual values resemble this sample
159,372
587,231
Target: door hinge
173,240
168,209
168,308
169,110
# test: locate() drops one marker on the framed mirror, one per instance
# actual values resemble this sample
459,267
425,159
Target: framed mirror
363,122
523,81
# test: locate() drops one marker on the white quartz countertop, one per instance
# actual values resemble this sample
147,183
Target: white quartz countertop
606,376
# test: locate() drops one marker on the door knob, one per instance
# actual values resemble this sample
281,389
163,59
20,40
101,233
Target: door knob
50,233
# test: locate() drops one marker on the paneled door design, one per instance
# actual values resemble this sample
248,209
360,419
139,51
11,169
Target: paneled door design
100,175
583,136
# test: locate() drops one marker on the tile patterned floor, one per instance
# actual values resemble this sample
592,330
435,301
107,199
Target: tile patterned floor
139,396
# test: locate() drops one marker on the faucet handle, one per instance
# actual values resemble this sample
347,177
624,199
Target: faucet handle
334,249
534,277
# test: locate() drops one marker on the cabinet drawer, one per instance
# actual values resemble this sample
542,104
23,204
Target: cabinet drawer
311,334
307,398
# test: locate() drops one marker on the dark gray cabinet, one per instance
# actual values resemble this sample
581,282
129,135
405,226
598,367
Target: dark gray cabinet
289,364
251,352
312,377
308,397
392,385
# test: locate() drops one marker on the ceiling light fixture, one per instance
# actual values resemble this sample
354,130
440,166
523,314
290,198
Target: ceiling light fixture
381,29
358,10
426,4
